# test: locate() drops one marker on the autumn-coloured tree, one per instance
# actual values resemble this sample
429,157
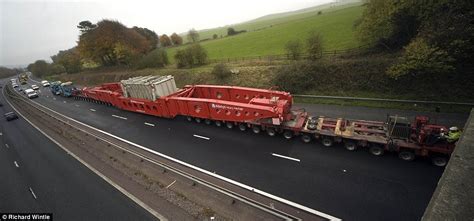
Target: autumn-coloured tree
176,39
69,59
150,35
112,43
165,41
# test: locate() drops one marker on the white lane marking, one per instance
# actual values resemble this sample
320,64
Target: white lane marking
54,98
64,102
77,105
151,125
93,110
202,137
242,185
120,117
119,188
33,193
1,134
285,157
170,184
6,145
16,164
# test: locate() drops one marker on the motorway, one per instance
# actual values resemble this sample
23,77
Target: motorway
348,185
38,176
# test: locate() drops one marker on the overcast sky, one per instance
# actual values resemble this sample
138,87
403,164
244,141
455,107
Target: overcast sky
32,30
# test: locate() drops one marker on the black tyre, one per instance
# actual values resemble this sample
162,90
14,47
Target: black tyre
208,122
350,145
242,127
327,141
189,119
256,129
439,161
198,120
229,125
406,155
288,134
376,150
218,123
271,132
306,138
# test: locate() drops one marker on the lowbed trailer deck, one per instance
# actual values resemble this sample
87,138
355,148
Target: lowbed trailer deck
270,111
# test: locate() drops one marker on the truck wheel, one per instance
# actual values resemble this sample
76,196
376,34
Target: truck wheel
327,141
271,132
229,125
198,120
218,123
256,129
207,121
306,138
189,119
288,134
350,145
376,150
242,127
406,155
439,161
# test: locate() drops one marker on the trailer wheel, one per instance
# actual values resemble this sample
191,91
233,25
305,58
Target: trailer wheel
306,138
198,120
218,123
207,121
229,125
256,129
406,155
350,145
376,150
271,132
327,141
439,161
288,134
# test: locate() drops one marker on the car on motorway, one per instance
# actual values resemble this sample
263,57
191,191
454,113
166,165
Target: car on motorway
10,116
34,87
15,85
30,93
45,83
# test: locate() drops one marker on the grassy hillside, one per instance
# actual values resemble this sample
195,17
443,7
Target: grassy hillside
336,27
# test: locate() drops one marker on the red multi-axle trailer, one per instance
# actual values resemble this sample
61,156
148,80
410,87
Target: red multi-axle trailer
271,111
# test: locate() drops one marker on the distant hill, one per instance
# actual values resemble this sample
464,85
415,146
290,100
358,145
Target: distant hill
267,35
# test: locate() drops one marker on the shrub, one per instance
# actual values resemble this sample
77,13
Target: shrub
192,55
156,59
293,49
315,45
221,72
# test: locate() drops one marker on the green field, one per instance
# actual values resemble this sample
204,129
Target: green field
334,24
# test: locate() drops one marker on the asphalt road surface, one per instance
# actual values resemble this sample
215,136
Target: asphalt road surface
38,176
348,185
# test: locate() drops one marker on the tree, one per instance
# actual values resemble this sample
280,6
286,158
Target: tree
314,45
39,68
165,41
420,58
150,36
231,31
293,49
112,43
176,39
193,36
85,26
70,60
155,59
214,36
192,55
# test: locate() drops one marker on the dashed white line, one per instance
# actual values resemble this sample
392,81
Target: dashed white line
286,157
6,145
64,102
1,134
33,193
93,110
149,124
202,137
120,117
16,164
170,184
77,105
